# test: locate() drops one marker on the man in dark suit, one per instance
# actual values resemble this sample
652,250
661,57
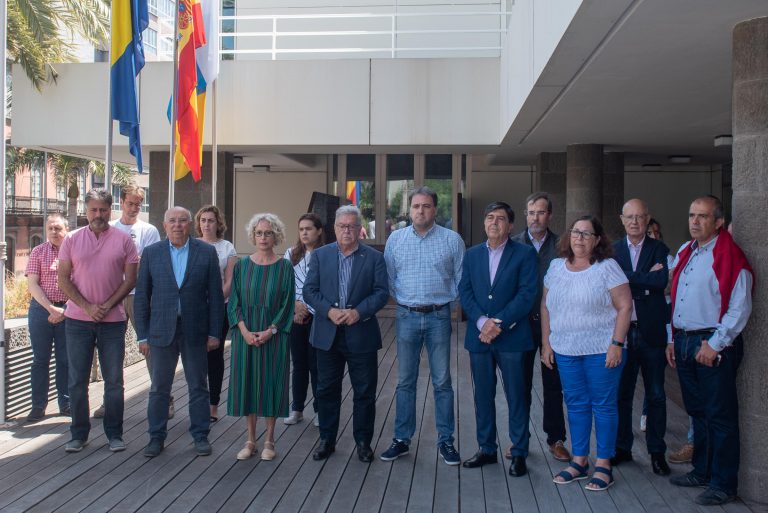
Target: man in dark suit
538,212
178,308
644,261
346,285
498,285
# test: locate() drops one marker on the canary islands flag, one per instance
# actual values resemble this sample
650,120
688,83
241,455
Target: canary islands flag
353,192
129,19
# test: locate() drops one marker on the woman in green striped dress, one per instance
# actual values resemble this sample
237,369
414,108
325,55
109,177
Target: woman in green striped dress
261,307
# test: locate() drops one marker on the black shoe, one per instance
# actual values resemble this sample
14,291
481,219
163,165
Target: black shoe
397,449
36,414
659,464
621,456
203,447
364,452
154,447
518,467
689,480
479,459
712,497
324,449
65,411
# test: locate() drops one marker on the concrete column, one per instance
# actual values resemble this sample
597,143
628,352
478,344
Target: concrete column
750,202
189,194
550,177
613,194
584,181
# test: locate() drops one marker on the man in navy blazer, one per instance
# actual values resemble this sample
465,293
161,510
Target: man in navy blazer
346,285
178,308
644,261
499,284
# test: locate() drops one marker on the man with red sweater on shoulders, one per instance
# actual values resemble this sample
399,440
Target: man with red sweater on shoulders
711,300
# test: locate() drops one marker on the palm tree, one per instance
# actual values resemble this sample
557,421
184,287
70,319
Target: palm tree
39,32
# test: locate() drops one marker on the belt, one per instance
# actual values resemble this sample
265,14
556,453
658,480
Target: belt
424,308
694,333
634,324
58,304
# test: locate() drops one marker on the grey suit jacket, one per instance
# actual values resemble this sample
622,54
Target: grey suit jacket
156,304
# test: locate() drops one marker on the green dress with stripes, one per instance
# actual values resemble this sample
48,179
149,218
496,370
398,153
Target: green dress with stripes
259,375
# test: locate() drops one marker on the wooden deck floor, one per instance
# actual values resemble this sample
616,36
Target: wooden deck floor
36,474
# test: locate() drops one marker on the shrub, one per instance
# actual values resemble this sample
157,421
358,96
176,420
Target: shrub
17,296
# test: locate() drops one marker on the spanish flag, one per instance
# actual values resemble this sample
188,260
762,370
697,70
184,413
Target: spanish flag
129,19
191,36
353,192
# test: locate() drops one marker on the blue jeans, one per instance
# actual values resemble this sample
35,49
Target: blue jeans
194,359
46,337
109,339
651,361
591,390
710,398
432,330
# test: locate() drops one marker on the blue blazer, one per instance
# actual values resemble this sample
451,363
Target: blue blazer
510,297
647,287
368,293
157,296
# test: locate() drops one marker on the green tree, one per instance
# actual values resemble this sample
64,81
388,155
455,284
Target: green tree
39,32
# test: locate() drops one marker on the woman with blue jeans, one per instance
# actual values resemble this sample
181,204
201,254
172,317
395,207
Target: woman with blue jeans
585,313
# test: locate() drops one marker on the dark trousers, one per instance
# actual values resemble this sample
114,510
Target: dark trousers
195,363
216,363
363,374
304,366
511,364
47,338
710,398
651,361
554,419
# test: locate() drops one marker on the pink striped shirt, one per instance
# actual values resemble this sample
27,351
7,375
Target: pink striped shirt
44,262
97,268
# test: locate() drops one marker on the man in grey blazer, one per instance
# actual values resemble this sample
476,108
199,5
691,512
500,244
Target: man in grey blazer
178,308
538,212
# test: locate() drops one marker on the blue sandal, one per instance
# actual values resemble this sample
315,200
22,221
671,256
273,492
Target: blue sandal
568,477
600,484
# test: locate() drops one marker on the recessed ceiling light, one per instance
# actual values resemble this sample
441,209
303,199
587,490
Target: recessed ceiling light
680,159
723,140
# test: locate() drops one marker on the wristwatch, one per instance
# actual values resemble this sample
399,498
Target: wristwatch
273,329
617,343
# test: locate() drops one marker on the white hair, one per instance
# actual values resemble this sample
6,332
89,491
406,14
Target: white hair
276,225
349,210
189,214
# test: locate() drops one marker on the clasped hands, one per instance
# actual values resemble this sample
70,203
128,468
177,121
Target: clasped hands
343,317
256,338
56,316
97,312
490,331
300,313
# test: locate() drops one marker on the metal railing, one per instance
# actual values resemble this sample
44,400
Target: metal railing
480,34
30,205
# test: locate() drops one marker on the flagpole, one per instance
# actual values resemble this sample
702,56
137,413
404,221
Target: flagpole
174,108
110,124
3,249
214,146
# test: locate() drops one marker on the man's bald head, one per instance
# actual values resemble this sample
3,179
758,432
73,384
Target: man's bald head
634,217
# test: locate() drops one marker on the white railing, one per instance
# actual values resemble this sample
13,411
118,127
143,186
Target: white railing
353,35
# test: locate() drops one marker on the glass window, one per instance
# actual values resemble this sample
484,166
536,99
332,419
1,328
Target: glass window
437,176
150,40
228,42
35,241
361,188
400,169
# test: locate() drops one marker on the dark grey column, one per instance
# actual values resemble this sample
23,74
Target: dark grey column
584,181
613,194
750,202
189,194
550,174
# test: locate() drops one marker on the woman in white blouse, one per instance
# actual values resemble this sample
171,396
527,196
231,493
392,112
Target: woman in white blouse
585,312
302,353
210,226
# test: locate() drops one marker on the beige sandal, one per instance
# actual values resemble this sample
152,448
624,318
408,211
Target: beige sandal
268,453
247,451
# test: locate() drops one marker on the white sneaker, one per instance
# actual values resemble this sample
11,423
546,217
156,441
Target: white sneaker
316,420
294,418
643,422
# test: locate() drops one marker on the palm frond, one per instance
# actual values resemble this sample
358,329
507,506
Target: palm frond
89,18
41,16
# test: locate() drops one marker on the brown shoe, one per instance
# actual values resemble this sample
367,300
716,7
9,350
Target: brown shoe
559,451
683,455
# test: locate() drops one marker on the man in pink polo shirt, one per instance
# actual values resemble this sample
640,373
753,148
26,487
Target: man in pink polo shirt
97,269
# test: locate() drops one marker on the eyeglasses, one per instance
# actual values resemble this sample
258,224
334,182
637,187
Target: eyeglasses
347,227
578,234
267,233
536,213
634,218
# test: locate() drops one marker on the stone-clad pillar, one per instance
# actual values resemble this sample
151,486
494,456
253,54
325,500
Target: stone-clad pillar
584,181
750,202
613,194
550,173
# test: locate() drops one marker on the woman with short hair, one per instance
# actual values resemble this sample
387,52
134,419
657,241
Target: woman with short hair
261,308
585,313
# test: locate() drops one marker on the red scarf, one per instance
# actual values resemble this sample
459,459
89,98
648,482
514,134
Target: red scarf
729,260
